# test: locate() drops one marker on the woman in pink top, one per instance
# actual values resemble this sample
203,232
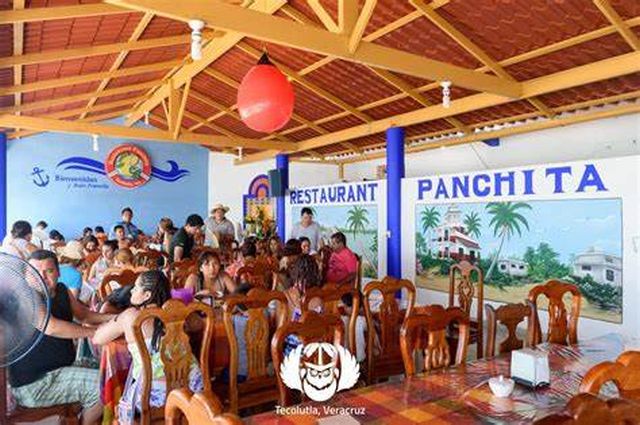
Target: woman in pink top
343,263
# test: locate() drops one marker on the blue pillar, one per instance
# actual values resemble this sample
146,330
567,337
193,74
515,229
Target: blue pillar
282,164
3,184
395,174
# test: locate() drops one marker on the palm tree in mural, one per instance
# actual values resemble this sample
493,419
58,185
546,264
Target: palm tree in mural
472,223
357,220
506,221
429,219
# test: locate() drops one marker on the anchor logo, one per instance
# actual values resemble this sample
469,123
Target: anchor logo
40,178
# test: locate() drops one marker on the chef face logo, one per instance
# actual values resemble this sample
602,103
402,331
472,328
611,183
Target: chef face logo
319,370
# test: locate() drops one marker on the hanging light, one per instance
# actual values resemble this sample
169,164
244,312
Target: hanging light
446,93
239,157
196,26
96,147
265,97
146,117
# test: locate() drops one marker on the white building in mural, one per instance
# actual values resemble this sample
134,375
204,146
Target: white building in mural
513,267
603,268
452,239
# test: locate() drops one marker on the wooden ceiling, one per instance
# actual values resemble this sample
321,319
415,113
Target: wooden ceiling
357,67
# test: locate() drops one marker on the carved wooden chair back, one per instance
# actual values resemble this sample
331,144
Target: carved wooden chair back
181,270
563,327
150,259
113,281
467,281
624,373
252,309
257,274
197,409
332,295
432,322
313,327
509,316
175,350
587,409
384,326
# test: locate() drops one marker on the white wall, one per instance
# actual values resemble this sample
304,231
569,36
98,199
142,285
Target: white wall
607,138
228,182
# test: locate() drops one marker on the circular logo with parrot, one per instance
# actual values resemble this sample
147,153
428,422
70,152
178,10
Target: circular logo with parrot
128,166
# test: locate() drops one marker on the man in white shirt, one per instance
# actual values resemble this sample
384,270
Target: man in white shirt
40,236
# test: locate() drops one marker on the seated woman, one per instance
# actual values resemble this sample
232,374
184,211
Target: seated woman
303,274
18,243
164,233
291,252
210,278
151,289
102,264
89,245
123,260
275,247
305,245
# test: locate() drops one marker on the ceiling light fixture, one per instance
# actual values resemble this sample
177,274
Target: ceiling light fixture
146,118
96,147
446,93
196,26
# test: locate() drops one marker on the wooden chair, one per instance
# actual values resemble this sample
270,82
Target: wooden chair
331,296
68,413
562,329
313,327
426,330
509,315
198,409
126,277
384,325
150,259
624,373
259,387
461,281
175,350
587,409
88,262
181,270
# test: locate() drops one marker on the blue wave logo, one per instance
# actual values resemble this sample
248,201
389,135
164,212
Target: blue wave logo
174,173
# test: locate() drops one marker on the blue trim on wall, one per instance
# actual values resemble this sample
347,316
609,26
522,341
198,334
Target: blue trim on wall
282,164
3,184
395,174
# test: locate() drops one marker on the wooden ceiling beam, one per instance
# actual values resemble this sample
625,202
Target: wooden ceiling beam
261,26
34,14
18,50
512,131
81,127
348,12
361,24
117,63
323,15
41,104
612,16
85,78
472,48
102,49
210,52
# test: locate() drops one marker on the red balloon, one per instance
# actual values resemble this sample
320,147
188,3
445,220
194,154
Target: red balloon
265,99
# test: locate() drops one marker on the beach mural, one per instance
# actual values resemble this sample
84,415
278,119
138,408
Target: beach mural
359,223
519,244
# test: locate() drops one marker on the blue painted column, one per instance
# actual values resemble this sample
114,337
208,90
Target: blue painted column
395,174
282,164
3,184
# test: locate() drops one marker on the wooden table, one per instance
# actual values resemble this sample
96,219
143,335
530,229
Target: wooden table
460,395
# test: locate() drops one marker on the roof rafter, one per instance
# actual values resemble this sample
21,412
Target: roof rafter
323,15
18,50
33,14
80,127
472,48
361,24
261,26
612,16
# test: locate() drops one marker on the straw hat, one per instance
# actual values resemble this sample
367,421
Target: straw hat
219,207
72,250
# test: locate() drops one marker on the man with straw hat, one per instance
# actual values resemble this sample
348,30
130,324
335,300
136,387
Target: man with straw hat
218,225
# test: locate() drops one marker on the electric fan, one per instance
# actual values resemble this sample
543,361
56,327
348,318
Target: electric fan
24,308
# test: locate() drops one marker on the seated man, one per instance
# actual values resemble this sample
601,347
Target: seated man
46,376
131,231
184,239
343,263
